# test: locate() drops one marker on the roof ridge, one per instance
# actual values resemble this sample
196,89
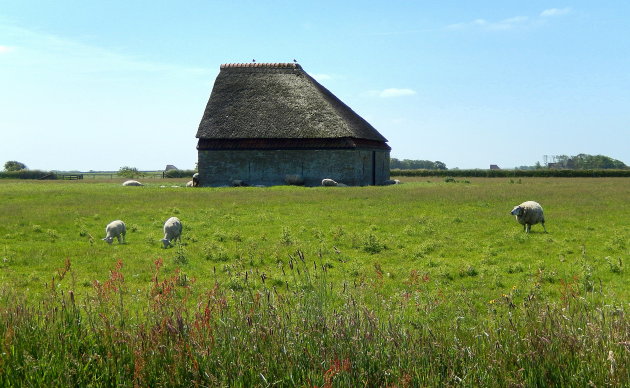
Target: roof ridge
277,65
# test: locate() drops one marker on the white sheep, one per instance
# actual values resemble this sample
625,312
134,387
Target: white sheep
115,229
529,213
329,182
172,231
132,183
190,184
195,179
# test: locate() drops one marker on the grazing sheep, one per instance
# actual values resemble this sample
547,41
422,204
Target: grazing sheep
172,231
529,213
195,181
329,182
115,229
190,184
132,183
392,182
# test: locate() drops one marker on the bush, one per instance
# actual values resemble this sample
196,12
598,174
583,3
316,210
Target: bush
128,172
179,173
27,174
13,165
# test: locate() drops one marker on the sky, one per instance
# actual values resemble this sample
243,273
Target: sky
98,85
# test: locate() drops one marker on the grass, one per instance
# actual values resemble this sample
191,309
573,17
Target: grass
430,283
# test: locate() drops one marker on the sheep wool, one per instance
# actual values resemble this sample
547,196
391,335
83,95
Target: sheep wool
529,213
115,229
172,231
132,183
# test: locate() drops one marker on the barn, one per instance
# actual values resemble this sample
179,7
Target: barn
267,121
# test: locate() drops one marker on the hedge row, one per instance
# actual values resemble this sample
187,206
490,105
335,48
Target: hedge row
27,174
179,173
542,173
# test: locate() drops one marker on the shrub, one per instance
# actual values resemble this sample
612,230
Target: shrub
13,165
27,174
179,173
128,172
371,244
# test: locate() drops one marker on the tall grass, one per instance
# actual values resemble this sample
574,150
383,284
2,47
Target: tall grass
430,283
309,332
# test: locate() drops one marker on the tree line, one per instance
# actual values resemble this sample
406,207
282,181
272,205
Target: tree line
408,164
589,164
586,162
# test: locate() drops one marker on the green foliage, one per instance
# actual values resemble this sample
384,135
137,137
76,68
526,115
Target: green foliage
179,173
286,238
27,174
128,172
588,162
539,173
407,164
372,244
243,332
423,284
180,256
13,165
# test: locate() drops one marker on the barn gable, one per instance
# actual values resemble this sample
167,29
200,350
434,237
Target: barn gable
270,114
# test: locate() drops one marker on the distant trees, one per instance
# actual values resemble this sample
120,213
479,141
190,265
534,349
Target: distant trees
408,164
13,165
128,172
587,162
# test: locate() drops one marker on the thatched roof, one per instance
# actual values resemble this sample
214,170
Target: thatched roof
270,102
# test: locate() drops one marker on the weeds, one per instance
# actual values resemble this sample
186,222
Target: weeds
180,256
253,335
286,238
616,266
238,307
372,244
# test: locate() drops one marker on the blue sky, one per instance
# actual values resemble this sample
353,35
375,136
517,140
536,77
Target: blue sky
96,85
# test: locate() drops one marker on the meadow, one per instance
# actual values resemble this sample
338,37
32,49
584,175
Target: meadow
428,283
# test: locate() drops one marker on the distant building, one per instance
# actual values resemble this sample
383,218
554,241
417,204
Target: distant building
170,167
494,167
266,121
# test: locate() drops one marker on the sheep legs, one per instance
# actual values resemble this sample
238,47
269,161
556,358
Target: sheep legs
528,227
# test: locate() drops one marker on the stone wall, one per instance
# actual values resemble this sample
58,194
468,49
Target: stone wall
355,167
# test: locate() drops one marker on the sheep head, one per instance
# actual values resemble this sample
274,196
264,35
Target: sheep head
517,211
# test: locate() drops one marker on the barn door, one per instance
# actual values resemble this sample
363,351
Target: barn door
373,168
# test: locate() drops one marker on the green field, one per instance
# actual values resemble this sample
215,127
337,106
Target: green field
408,285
